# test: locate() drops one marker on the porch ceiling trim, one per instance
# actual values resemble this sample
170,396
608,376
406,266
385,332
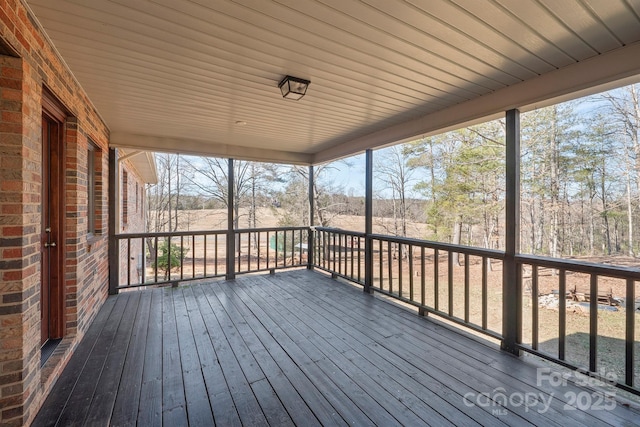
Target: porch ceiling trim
600,73
205,148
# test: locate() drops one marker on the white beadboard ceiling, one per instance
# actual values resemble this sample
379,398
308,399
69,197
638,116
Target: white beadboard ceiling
177,75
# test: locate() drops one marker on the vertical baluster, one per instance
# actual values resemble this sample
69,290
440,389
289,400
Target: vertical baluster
340,246
319,245
360,260
593,322
390,266
400,265
534,302
333,253
259,250
284,248
204,257
322,249
436,274
630,332
450,282
562,306
215,255
239,249
423,281
155,268
466,288
268,247
410,272
128,261
351,260
249,252
168,240
292,244
181,255
381,269
193,256
484,293
319,248
143,275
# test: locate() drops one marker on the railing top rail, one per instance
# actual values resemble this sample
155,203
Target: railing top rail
581,266
265,229
339,231
169,234
204,232
471,250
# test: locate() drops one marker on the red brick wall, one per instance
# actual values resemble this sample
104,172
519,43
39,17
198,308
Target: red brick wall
136,223
23,384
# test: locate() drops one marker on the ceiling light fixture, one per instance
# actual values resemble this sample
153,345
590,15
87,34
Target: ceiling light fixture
293,87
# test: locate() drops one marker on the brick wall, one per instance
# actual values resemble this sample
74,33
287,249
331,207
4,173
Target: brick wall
134,207
23,383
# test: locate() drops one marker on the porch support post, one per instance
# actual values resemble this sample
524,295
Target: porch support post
368,222
311,244
512,279
231,235
114,262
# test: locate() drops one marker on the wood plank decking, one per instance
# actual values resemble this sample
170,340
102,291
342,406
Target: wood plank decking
295,348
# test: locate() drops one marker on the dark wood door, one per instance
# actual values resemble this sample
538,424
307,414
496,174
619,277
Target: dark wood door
52,230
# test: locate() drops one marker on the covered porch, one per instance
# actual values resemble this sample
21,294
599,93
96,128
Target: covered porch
298,348
239,346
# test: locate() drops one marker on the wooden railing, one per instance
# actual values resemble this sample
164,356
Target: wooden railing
269,249
579,284
412,270
340,252
149,259
461,284
146,259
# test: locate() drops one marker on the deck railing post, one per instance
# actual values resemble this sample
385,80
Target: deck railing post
114,262
512,279
311,244
231,234
368,223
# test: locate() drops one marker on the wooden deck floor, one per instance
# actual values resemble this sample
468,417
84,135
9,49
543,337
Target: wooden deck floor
295,348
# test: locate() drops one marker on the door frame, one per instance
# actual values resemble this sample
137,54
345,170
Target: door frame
53,201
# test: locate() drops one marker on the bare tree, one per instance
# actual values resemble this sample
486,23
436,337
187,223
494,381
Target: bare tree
623,109
163,198
294,199
394,170
209,176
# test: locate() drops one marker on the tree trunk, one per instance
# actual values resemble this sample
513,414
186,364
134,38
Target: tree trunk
554,187
178,173
457,233
592,225
630,218
170,196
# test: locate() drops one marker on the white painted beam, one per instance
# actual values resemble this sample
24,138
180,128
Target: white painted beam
204,148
